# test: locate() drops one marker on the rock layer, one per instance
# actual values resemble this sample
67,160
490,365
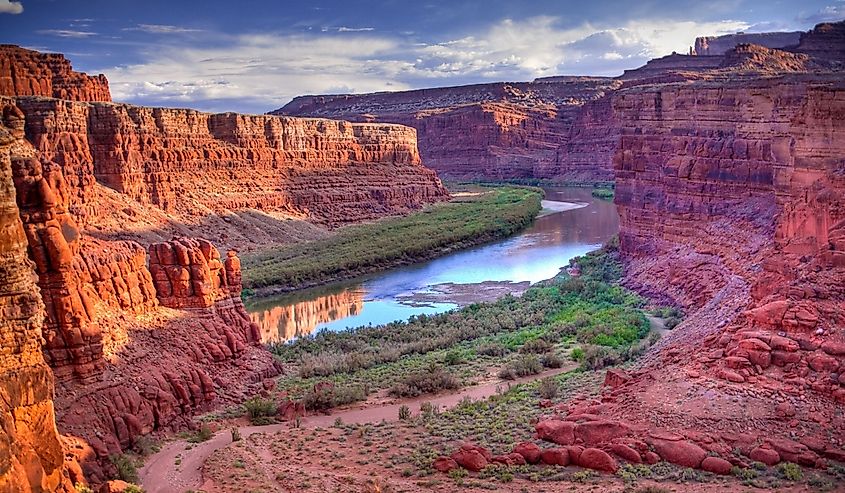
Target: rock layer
552,128
30,73
31,454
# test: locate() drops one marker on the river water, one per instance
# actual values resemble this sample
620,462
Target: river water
572,223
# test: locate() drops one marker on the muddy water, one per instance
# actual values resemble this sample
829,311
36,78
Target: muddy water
572,223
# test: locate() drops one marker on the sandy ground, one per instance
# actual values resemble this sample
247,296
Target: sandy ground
162,474
465,294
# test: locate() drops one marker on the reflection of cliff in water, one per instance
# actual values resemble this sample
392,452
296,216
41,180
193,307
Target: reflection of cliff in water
283,323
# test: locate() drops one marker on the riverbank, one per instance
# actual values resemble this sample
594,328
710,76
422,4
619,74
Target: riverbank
474,216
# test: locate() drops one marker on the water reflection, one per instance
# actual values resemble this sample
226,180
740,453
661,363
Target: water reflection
536,254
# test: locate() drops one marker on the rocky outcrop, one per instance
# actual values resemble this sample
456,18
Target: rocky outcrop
719,45
30,73
192,165
31,453
540,129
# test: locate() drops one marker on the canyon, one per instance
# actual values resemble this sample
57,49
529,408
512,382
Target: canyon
139,325
122,316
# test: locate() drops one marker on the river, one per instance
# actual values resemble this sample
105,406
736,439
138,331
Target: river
572,223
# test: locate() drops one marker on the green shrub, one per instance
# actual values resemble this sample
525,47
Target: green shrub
598,357
330,396
126,466
603,193
404,412
790,471
133,488
577,354
453,357
524,365
429,381
260,411
492,349
536,346
82,488
548,388
202,435
551,360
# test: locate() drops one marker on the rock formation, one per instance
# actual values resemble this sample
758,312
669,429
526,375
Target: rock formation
31,453
30,73
719,45
554,128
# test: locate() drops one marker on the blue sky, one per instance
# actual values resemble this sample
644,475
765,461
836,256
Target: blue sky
255,55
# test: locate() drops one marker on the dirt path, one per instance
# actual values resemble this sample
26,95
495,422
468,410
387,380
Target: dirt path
161,474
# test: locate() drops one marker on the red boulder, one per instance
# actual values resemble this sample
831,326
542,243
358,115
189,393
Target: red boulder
680,452
626,452
555,457
593,458
557,431
445,464
716,465
530,451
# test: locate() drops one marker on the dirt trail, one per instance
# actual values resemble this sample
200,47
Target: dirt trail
161,474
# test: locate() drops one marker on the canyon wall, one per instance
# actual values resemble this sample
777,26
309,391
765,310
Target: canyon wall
193,165
31,452
30,73
547,129
719,45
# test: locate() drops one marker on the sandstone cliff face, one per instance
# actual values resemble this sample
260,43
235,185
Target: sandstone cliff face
30,73
498,131
31,454
194,166
719,45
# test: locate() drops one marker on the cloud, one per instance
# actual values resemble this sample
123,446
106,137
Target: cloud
830,13
262,71
67,33
161,29
259,72
9,7
344,29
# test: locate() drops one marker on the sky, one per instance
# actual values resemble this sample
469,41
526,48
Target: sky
253,56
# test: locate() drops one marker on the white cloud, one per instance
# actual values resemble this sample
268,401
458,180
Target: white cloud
9,7
259,72
67,33
161,29
830,13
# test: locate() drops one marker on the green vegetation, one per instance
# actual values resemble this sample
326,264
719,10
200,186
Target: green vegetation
260,411
519,336
790,471
329,396
603,193
467,220
126,466
202,435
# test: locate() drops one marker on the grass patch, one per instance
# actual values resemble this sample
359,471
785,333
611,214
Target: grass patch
355,250
433,379
603,193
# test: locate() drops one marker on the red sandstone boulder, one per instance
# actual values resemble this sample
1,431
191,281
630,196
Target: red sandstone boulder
114,486
765,455
615,378
625,452
530,451
680,452
555,457
445,464
511,459
716,465
593,458
470,459
596,432
651,458
557,431
835,348
822,362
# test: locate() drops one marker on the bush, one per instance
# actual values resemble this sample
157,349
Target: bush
404,412
492,349
526,364
260,411
551,360
126,466
577,354
202,435
536,346
671,323
429,381
603,193
453,357
598,357
329,396
549,388
790,471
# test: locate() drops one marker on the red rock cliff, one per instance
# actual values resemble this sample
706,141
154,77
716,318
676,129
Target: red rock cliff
31,454
30,73
193,165
544,129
